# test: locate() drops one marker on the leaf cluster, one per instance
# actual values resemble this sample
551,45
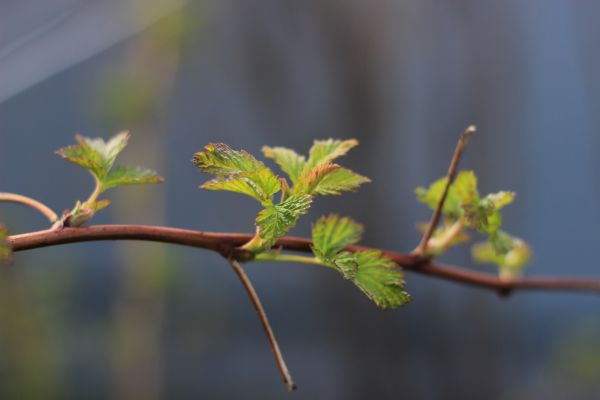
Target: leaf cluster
466,208
98,157
239,171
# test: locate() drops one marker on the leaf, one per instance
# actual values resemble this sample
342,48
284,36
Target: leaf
95,155
130,176
325,151
260,184
510,254
290,162
500,199
5,249
463,191
332,234
337,181
276,220
221,160
378,277
314,177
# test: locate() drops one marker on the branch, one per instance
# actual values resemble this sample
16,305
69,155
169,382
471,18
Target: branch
29,202
435,218
227,244
262,315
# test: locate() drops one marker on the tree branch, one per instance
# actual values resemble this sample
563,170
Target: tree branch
262,315
29,202
435,217
227,244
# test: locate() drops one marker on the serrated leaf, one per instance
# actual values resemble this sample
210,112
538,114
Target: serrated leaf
260,184
221,160
5,249
290,162
500,199
315,176
332,234
337,181
325,151
378,277
463,191
276,220
130,176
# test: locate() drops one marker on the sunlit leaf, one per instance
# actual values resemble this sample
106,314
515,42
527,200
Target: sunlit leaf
290,162
508,253
463,191
337,181
220,159
275,221
260,184
332,234
378,277
325,151
130,176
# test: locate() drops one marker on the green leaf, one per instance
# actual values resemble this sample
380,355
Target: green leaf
325,151
221,160
337,181
500,199
378,277
130,176
484,215
332,234
276,220
463,191
290,162
5,249
261,184
508,253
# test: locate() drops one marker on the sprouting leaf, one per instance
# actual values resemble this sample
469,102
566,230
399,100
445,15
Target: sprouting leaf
500,199
332,234
510,254
237,171
378,277
463,191
484,215
130,176
339,180
274,221
290,162
220,159
325,151
98,157
260,184
5,249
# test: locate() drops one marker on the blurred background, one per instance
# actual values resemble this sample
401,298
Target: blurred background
149,321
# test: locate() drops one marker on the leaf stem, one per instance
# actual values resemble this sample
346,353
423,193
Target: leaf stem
288,257
262,315
435,218
29,202
97,190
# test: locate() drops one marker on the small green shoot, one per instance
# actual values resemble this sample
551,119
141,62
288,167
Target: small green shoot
465,208
98,157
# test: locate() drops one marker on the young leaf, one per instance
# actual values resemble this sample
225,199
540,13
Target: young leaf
260,184
290,162
5,249
463,191
98,157
129,176
325,151
378,277
339,180
221,160
510,254
332,234
276,220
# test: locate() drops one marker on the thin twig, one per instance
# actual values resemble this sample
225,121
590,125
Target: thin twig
225,243
435,217
262,315
29,202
